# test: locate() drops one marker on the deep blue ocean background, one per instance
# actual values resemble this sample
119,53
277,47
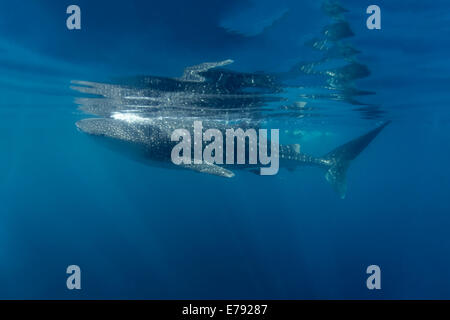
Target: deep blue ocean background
150,233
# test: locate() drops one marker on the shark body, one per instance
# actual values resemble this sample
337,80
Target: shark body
150,141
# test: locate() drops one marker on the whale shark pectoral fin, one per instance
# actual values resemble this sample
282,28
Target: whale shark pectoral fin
209,168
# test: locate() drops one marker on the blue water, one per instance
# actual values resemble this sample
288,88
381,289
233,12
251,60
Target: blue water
138,231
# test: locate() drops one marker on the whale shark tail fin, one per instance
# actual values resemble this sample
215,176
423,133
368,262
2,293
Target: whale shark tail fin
341,157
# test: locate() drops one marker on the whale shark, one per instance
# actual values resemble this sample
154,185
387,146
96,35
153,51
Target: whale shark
138,116
149,140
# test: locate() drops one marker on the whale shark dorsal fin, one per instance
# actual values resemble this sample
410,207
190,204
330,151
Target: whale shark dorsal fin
296,148
209,168
293,148
193,73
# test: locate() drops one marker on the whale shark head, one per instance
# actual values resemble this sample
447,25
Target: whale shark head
95,127
136,140
113,128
